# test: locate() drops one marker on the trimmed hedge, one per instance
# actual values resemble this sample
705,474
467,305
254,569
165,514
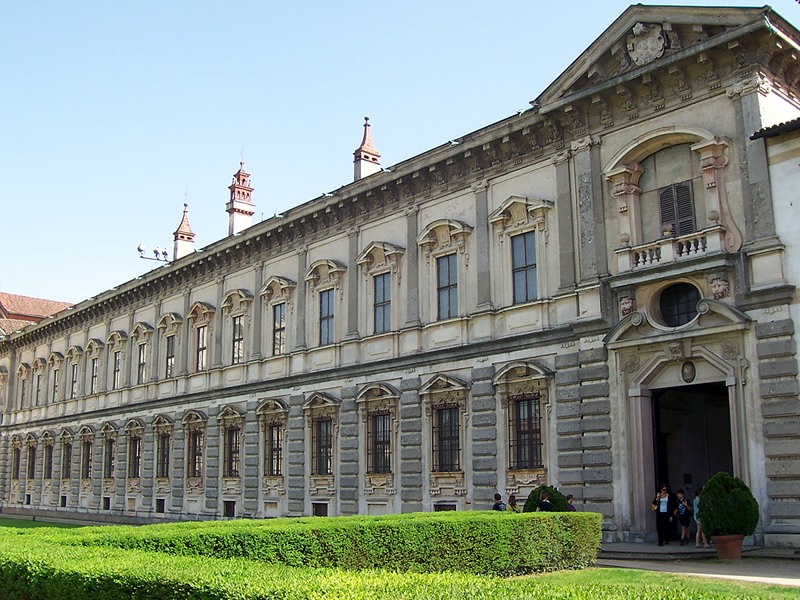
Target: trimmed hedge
486,543
557,499
727,507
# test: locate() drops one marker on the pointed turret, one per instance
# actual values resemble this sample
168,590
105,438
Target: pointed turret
367,159
240,207
184,237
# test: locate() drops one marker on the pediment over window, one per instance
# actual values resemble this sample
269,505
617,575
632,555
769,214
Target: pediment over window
23,370
47,438
321,400
201,312
30,440
86,433
443,234
163,424
522,378
326,272
519,370
170,323
230,413
194,417
278,289
55,360
379,256
236,301
518,212
39,365
66,435
116,340
94,347
134,427
141,331
16,442
270,406
109,430
377,391
74,353
442,389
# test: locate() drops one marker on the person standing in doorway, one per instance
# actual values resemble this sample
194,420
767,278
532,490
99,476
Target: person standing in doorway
664,505
684,514
696,513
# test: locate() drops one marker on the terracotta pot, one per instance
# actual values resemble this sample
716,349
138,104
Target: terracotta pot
729,547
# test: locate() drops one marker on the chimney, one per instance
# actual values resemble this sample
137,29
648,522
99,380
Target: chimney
184,237
367,159
240,207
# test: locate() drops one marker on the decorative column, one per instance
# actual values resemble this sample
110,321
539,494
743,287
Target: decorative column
564,209
300,323
713,161
352,285
585,155
626,191
484,270
258,311
217,332
412,268
250,443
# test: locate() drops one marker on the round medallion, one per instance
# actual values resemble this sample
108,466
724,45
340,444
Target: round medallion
688,371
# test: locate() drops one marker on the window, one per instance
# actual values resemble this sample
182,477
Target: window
38,388
677,208
31,461
54,391
273,449
325,317
194,453
447,286
66,460
47,467
16,459
141,364
161,505
162,454
201,347
446,439
523,266
322,447
86,460
108,458
237,341
229,508
117,369
93,379
382,321
169,358
525,448
232,441
379,440
73,383
678,304
279,329
22,390
134,457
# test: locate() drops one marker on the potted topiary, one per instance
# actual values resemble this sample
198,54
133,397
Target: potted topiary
728,512
557,499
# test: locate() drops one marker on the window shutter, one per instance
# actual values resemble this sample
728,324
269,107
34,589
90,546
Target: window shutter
666,197
685,207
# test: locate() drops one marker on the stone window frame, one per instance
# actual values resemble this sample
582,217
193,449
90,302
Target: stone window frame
86,435
231,419
55,391
515,379
201,314
74,358
109,434
437,239
321,276
237,303
168,325
277,290
48,442
445,391
518,215
66,438
273,412
195,422
39,375
31,444
15,444
134,459
318,406
371,399
94,352
379,258
4,379
117,341
141,336
163,426
23,377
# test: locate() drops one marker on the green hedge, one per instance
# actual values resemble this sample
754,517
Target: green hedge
487,543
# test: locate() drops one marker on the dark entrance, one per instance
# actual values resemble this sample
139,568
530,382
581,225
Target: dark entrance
691,435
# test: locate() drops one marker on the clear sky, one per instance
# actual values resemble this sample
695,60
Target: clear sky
111,111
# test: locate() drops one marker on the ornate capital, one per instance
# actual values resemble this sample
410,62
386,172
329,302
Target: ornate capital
756,83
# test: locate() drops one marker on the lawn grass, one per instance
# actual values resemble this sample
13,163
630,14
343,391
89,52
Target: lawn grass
24,523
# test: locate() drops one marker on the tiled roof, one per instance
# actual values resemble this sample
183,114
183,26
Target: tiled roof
28,307
768,132
10,325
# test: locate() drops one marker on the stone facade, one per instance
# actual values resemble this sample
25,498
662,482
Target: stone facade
594,293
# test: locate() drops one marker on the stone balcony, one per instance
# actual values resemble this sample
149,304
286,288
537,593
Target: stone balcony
673,249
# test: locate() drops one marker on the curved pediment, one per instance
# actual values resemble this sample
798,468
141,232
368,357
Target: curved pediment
201,311
141,331
278,288
237,300
378,255
194,416
325,272
321,399
518,211
272,405
443,383
374,391
170,323
74,353
518,370
56,358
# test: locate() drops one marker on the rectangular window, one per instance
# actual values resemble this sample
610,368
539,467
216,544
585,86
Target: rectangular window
141,364
273,449
108,458
237,346
66,460
379,440
38,389
525,449
162,455
447,286
86,460
169,359
322,447
22,392
446,439
279,329
382,320
16,460
115,381
325,317
677,208
201,348
232,440
195,454
134,457
523,267
93,381
31,462
47,467
73,383
54,391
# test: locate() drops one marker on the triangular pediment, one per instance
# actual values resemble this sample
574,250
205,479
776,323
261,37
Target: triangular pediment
646,38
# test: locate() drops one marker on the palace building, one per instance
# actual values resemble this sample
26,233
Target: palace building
597,293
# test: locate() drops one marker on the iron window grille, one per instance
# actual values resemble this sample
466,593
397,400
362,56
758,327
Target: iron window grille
279,329
322,447
379,442
446,442
195,454
523,267
382,320
525,426
447,286
232,446
108,458
66,461
162,455
273,449
237,341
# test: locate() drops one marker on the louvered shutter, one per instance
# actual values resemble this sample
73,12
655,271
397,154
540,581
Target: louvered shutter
666,197
685,207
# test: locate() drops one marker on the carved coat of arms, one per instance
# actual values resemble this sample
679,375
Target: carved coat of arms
646,44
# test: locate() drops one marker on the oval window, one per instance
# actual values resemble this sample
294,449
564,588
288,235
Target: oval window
679,304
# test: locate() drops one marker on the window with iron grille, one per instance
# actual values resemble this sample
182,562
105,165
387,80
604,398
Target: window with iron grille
325,317
66,460
678,304
108,458
31,462
47,467
201,347
141,364
237,341
93,380
86,460
677,208
115,381
447,286
162,455
16,462
54,396
195,454
273,449
525,428
445,436
322,447
169,358
279,329
232,440
382,321
379,442
523,267
134,457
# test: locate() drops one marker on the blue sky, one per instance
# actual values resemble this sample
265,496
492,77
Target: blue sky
111,111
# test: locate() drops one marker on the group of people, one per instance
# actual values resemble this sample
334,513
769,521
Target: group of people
544,503
671,508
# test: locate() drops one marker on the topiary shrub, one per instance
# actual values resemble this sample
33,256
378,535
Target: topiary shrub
557,499
727,507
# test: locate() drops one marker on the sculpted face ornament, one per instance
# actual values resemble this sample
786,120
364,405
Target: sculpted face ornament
720,288
627,305
646,44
